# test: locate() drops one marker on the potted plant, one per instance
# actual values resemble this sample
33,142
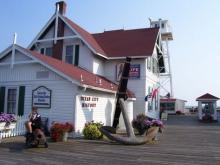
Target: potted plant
59,131
7,121
143,124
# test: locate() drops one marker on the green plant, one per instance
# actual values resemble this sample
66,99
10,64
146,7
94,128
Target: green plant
91,130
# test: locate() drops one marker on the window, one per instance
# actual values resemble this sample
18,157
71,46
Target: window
42,50
162,25
11,101
167,106
69,54
47,51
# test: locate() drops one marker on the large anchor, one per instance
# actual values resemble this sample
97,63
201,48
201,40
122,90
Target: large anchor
121,96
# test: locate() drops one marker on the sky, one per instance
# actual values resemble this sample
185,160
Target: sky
195,25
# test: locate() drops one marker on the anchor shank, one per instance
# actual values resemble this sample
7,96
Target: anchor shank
129,129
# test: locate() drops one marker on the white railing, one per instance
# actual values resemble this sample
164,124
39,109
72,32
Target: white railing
18,130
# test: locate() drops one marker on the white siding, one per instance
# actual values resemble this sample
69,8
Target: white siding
137,85
68,31
151,81
63,92
129,110
18,57
180,105
103,112
98,66
50,33
25,73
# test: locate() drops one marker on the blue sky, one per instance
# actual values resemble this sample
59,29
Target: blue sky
194,51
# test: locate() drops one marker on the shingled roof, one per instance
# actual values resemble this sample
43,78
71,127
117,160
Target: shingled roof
133,43
207,96
78,74
86,36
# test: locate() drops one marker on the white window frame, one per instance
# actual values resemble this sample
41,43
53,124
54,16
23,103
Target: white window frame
6,98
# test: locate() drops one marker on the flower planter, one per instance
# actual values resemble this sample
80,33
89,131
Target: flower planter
65,136
2,125
12,125
152,132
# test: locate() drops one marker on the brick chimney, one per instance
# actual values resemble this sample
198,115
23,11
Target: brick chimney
62,7
58,47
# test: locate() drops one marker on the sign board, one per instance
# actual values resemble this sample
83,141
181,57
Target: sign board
135,70
89,101
41,97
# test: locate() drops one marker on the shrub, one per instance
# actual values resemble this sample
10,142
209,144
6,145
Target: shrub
91,130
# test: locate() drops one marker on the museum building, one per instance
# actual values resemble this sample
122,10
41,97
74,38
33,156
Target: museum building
72,75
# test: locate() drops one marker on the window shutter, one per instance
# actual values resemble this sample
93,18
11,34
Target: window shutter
2,98
76,61
21,100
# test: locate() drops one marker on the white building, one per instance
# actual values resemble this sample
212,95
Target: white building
172,105
72,75
207,106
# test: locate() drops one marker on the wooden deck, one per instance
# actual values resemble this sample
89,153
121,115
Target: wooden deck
184,142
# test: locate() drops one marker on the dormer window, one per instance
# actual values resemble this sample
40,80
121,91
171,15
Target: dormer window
69,54
72,54
47,51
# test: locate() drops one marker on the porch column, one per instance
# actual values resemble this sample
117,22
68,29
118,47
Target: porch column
200,110
215,110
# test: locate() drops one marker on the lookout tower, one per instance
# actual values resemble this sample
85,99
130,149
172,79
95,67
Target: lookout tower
166,36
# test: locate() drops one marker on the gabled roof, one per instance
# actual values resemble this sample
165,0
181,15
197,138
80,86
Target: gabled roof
133,43
136,43
86,36
76,73
73,73
207,96
79,74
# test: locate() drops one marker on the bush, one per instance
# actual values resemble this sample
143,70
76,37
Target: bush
91,130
